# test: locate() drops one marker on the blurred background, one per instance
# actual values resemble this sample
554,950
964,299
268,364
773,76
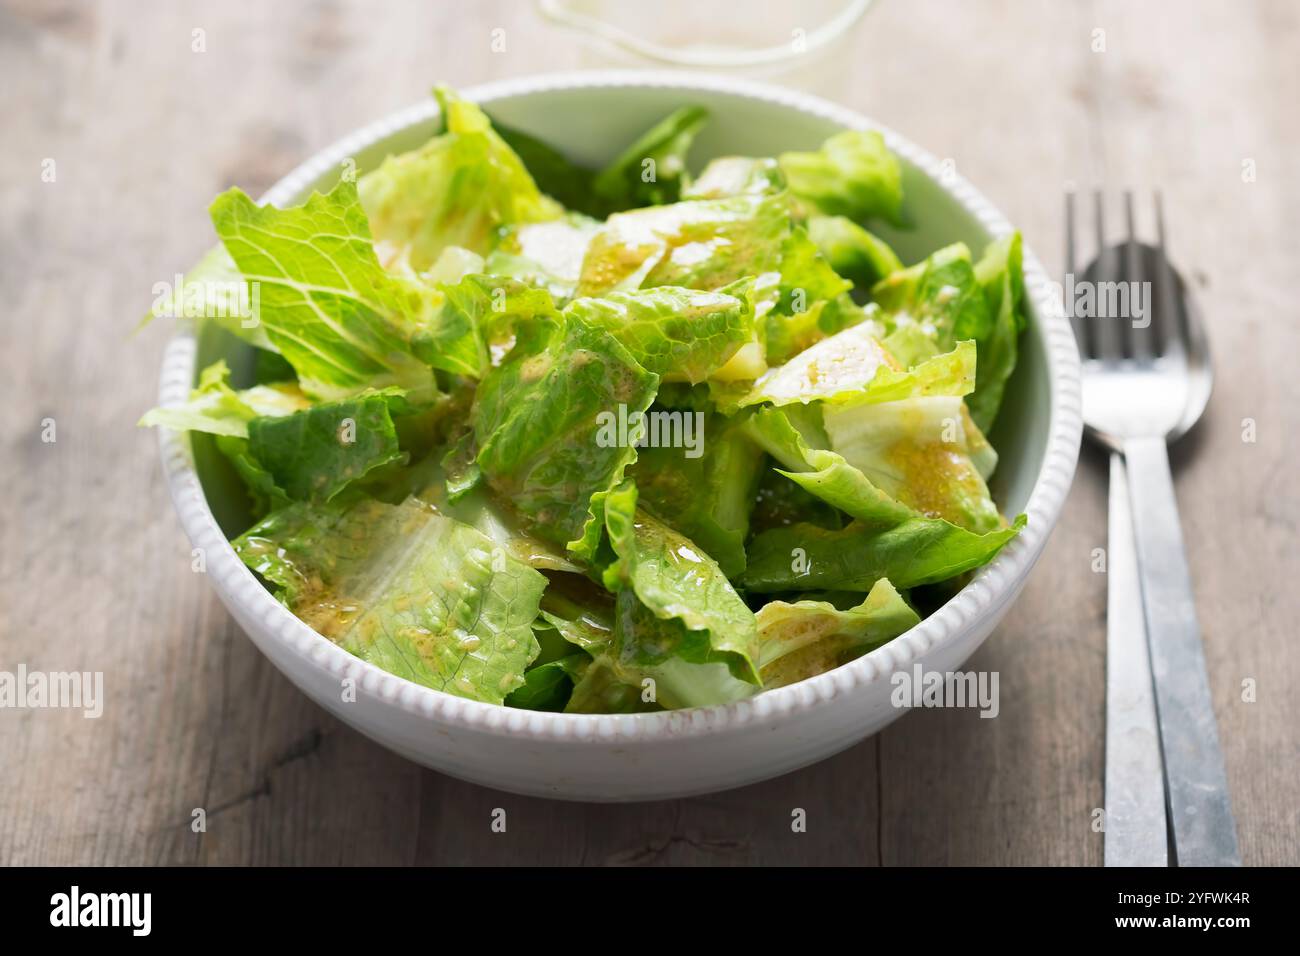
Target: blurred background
122,121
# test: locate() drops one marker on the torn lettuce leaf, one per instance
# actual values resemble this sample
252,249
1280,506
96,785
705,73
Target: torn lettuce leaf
795,438
919,455
928,307
710,244
922,452
487,514
940,295
736,176
416,593
473,315
325,303
675,580
806,287
549,686
607,688
541,422
852,251
853,367
853,174
216,408
581,612
1001,277
545,254
705,492
315,453
781,502
917,496
696,244
264,494
652,170
554,173
918,551
455,190
652,663
679,334
805,638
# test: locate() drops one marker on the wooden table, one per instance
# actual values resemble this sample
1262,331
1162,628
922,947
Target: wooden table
145,119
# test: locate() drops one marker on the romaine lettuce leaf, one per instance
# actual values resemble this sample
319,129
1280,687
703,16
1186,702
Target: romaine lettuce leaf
807,285
889,466
455,190
263,493
921,451
918,551
941,295
679,334
708,498
806,275
473,315
487,514
581,611
421,595
549,686
538,423
452,265
674,579
553,172
1000,275
315,453
945,299
736,176
710,244
653,662
325,303
607,688
853,367
651,171
796,439
853,174
697,244
216,408
806,638
781,502
852,251
545,254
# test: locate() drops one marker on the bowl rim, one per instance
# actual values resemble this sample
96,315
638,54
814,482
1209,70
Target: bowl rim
993,585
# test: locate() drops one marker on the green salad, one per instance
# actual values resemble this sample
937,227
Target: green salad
604,441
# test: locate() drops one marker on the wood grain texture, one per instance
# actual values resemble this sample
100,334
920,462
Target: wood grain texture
95,573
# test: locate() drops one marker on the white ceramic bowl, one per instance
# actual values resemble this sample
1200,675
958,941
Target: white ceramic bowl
651,756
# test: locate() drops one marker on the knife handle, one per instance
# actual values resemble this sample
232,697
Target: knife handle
1200,812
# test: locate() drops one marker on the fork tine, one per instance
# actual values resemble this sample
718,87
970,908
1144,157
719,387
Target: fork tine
1165,309
1105,327
1077,322
1136,327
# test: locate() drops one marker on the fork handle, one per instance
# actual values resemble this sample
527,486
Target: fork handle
1137,829
1200,812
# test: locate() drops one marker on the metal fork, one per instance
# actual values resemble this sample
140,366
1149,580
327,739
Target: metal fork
1146,381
